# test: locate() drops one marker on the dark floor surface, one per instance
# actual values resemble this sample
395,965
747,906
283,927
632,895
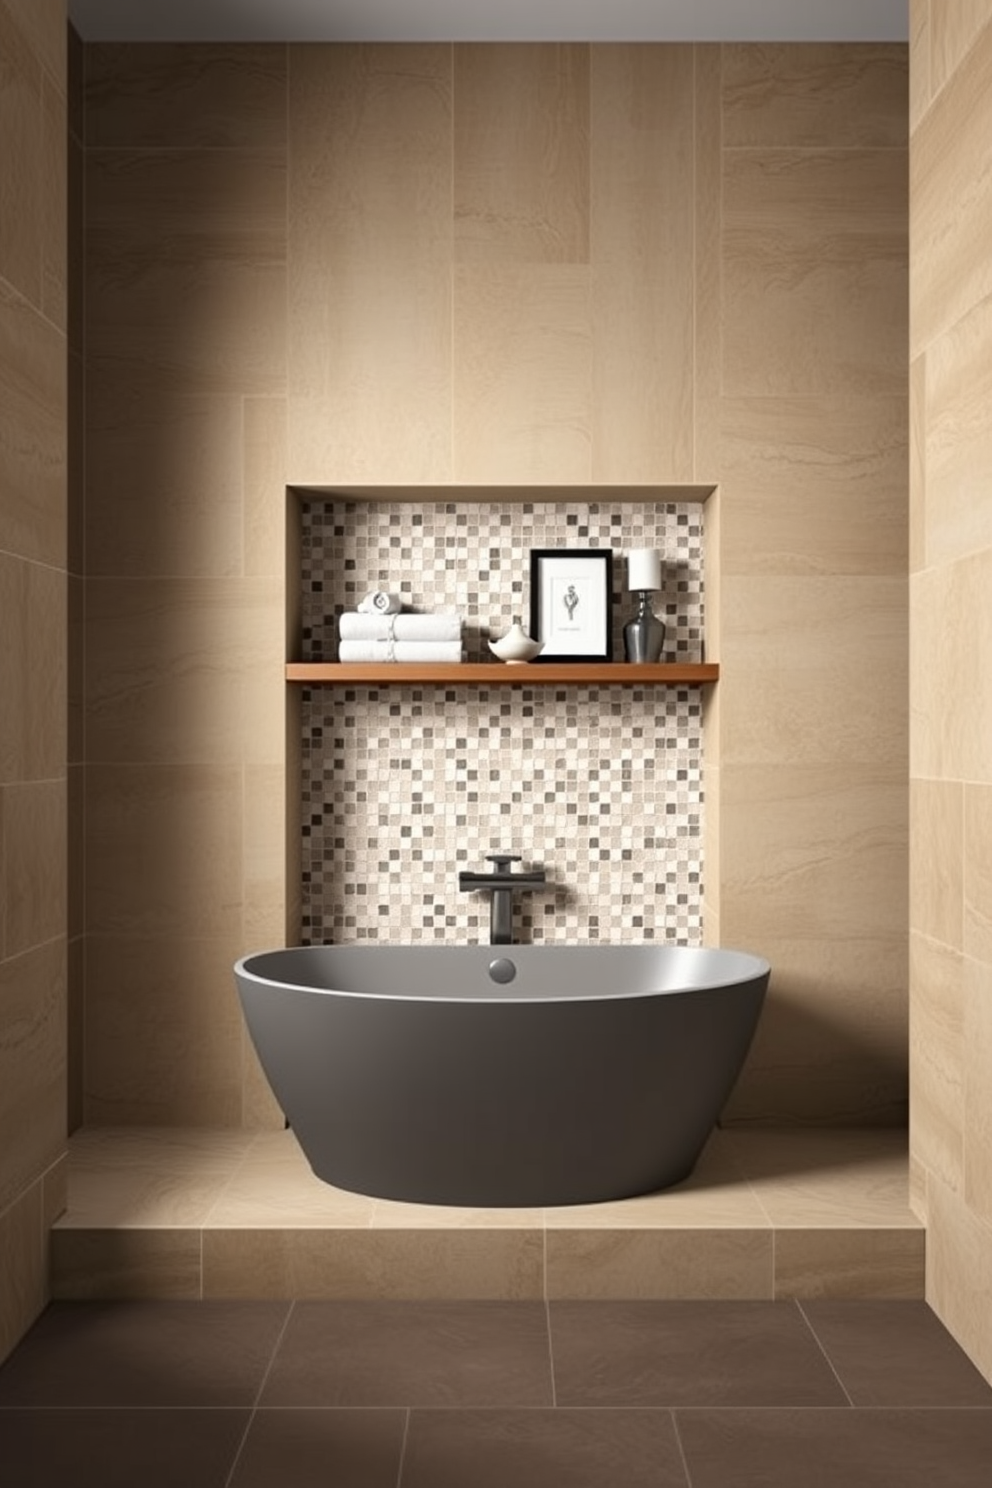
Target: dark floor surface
492,1395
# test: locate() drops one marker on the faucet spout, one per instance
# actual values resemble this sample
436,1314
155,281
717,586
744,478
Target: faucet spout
500,885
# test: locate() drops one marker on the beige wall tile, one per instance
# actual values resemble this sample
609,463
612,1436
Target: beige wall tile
521,153
370,264
275,1188
185,670
842,1263
950,200
186,269
32,1066
210,96
264,858
265,498
163,1031
660,1264
149,1177
164,851
32,435
20,177
917,464
123,1263
25,1285
958,439
34,848
819,95
954,27
977,872
977,1061
75,1033
959,1273
54,204
814,263
708,162
813,486
951,626
919,60
937,826
42,24
523,375
937,1086
642,257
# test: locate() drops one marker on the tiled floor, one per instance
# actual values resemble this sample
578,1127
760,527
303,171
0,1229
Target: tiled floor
174,1214
822,1394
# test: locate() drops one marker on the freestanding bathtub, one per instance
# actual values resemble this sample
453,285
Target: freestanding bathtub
500,1076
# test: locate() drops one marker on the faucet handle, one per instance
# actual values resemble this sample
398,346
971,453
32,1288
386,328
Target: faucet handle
502,861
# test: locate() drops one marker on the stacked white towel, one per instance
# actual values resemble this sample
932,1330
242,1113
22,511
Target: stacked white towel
400,637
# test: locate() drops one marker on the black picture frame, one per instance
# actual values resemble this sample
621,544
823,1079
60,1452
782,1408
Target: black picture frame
571,591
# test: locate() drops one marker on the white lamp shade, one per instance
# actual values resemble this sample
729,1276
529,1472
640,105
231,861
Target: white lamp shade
644,568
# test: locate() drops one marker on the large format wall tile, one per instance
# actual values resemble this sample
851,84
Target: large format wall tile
954,27
959,1272
977,1085
950,687
34,853
813,96
977,864
25,1284
958,448
20,179
33,605
32,1065
937,836
32,432
936,1054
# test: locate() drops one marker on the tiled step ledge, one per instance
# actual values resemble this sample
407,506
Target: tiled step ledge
169,1213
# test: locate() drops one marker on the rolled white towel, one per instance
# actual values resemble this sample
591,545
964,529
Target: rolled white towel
400,651
380,603
442,627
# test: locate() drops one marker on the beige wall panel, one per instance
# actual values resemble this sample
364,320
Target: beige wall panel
164,854
919,60
978,1086
937,837
186,272
523,374
954,27
185,671
814,96
814,262
642,254
977,895
370,256
937,1026
917,464
194,95
951,671
959,438
164,480
951,200
814,670
42,25
813,486
708,164
25,1284
265,487
34,848
959,1273
163,1041
20,178
32,1066
32,432
521,153
33,605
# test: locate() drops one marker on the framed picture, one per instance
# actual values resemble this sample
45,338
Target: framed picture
570,592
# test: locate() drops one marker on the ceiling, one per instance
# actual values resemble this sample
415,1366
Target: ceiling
490,20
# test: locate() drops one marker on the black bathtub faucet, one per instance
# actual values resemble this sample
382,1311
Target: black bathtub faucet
500,885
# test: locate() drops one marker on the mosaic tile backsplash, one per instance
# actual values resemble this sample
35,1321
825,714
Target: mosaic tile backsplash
405,786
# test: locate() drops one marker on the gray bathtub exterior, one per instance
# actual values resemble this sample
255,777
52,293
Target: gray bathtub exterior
595,1073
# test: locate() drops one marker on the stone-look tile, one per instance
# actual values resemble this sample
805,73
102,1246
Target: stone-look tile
958,437
32,1065
184,671
521,153
389,1214
92,1448
761,1449
917,1186
370,263
451,1354
265,857
814,262
265,498
584,1448
977,895
123,1262
523,377
165,844
33,605
826,685
895,1354
939,829
642,255
42,26
920,87
75,1033
155,1177
76,676
360,1447
54,204
813,486
951,624
844,1178
33,436
814,96
164,1030
163,481
260,1111
200,95
950,199
35,854
959,1272
937,1008
25,1283
21,115
875,1263
76,850
274,1187
954,27
653,1264
978,1088
186,269
917,464
363,1264
708,164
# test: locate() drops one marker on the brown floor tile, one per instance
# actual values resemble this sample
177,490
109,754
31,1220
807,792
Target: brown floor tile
144,1354
896,1353
412,1353
837,1448
118,1448
316,1448
687,1353
542,1449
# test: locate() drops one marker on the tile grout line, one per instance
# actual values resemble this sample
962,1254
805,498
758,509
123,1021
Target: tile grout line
830,1363
678,1441
258,1394
551,1354
406,1438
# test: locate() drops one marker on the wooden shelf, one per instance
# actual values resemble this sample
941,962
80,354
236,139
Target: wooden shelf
499,674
